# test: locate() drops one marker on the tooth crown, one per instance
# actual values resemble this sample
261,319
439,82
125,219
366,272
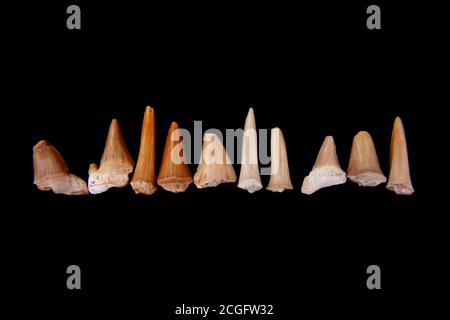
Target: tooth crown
115,166
399,176
51,171
144,175
215,165
280,178
249,178
174,174
363,167
326,171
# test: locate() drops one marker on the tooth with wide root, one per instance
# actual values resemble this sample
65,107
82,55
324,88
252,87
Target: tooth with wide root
399,177
249,178
363,167
144,174
280,178
215,165
174,174
51,171
115,166
326,171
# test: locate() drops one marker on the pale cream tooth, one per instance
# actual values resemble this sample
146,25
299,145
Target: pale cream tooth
215,165
399,177
51,172
249,178
326,170
144,174
363,167
280,178
115,166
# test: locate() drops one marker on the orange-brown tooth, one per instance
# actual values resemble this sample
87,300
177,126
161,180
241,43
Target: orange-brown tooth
115,166
52,173
174,174
144,174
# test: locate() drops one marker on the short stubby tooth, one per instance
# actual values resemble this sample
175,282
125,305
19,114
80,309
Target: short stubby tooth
215,165
363,167
51,172
174,174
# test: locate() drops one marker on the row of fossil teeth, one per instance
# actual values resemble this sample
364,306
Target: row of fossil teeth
215,167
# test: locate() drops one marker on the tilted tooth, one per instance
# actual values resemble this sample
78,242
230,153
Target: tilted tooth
144,174
399,178
249,178
51,172
326,171
280,178
115,166
215,165
363,167
174,174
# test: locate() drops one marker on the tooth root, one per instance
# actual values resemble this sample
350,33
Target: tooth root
363,167
399,177
326,171
215,165
249,178
115,166
51,172
144,174
280,178
174,174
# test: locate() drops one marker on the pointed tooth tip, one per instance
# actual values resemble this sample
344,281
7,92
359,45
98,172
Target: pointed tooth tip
209,135
41,145
398,122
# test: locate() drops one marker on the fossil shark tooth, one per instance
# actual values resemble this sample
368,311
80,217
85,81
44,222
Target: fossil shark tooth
144,174
115,166
399,178
326,170
249,178
174,174
280,178
363,167
51,171
215,165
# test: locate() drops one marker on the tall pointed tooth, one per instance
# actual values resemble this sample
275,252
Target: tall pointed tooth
174,174
326,171
144,174
215,165
363,167
249,178
51,172
399,178
280,178
115,166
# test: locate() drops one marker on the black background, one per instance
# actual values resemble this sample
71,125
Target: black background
312,70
